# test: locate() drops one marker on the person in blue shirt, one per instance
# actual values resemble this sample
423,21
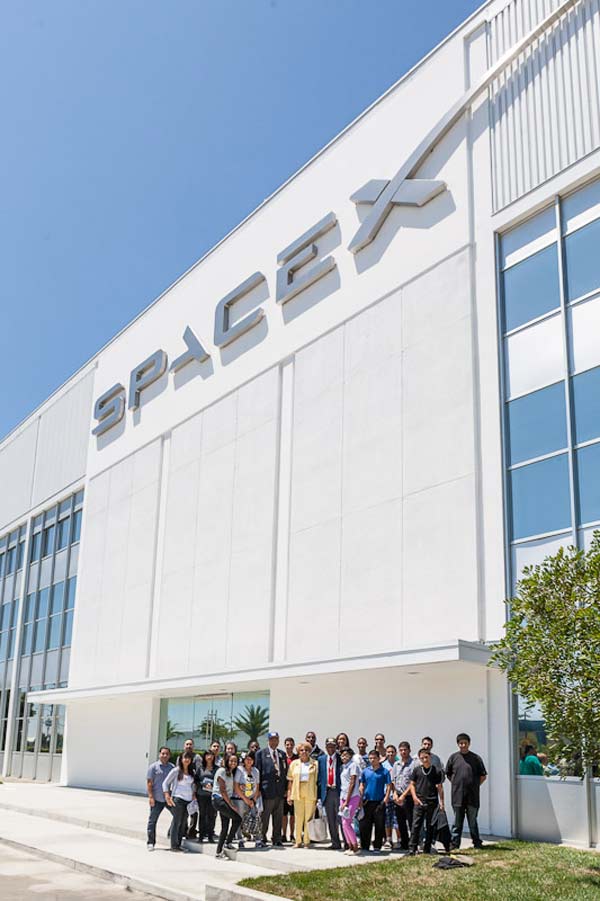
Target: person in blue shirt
375,788
156,775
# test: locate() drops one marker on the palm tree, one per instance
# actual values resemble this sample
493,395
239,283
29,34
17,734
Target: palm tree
172,730
253,722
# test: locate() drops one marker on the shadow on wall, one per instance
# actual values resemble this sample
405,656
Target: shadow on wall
433,212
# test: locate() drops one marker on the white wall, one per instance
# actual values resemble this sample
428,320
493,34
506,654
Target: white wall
552,810
48,453
94,727
440,701
112,623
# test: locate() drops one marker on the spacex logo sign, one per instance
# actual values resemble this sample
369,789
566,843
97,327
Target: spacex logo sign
301,264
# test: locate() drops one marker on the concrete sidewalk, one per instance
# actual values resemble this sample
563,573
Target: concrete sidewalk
103,833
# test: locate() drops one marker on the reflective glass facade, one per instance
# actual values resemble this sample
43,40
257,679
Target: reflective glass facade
550,323
38,580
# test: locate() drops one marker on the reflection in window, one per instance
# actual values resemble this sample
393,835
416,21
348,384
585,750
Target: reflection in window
586,405
48,541
588,483
36,545
68,628
32,727
62,535
531,288
583,260
540,497
537,423
58,592
76,526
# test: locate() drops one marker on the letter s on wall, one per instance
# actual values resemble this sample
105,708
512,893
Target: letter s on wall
109,409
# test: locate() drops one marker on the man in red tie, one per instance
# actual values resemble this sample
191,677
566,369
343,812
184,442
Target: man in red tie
329,785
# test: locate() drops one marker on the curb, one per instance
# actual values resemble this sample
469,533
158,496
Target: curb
237,893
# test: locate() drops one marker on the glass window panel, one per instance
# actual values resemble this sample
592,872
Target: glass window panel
584,328
54,632
27,638
18,739
11,560
46,722
537,423
586,405
48,541
36,544
588,482
62,535
581,207
79,498
2,557
31,730
583,260
58,594
71,588
68,628
531,288
40,635
64,506
3,729
530,236
531,553
20,554
11,643
4,616
76,526
540,497
60,729
535,357
42,605
3,645
29,607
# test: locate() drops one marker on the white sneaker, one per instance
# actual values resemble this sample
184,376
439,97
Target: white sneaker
387,846
150,846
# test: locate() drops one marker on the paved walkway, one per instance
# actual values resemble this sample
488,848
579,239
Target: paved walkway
103,833
23,877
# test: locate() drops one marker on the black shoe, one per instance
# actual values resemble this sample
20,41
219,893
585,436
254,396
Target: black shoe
478,846
278,844
412,853
334,848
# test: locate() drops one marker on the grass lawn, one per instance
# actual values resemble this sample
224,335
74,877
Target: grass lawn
505,871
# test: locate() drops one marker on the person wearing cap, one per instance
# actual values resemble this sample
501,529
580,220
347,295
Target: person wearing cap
271,763
329,782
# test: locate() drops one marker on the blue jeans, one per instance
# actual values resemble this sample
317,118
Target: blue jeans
155,812
459,819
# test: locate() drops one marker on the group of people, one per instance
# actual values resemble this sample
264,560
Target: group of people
363,796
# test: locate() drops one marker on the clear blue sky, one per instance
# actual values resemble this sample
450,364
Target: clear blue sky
122,120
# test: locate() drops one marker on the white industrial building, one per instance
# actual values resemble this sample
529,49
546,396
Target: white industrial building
307,475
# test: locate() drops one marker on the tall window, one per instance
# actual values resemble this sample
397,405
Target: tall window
550,315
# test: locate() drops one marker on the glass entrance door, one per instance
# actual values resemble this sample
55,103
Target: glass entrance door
240,716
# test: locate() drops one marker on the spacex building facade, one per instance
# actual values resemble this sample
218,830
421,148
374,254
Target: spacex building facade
307,476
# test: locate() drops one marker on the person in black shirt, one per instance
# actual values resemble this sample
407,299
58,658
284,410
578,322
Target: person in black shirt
428,795
204,777
466,772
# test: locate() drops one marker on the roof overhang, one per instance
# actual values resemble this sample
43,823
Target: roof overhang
457,651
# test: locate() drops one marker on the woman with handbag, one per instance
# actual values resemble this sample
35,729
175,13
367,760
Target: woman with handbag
302,791
248,801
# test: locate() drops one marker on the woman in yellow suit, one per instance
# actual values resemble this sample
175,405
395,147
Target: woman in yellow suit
302,791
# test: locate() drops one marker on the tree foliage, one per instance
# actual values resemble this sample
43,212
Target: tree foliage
551,648
172,731
254,721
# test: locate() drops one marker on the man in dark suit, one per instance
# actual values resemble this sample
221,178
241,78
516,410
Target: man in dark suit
329,784
271,763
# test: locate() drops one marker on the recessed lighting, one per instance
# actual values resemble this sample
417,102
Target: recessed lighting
304,682
413,672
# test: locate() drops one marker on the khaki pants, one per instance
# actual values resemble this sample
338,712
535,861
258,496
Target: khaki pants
304,810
